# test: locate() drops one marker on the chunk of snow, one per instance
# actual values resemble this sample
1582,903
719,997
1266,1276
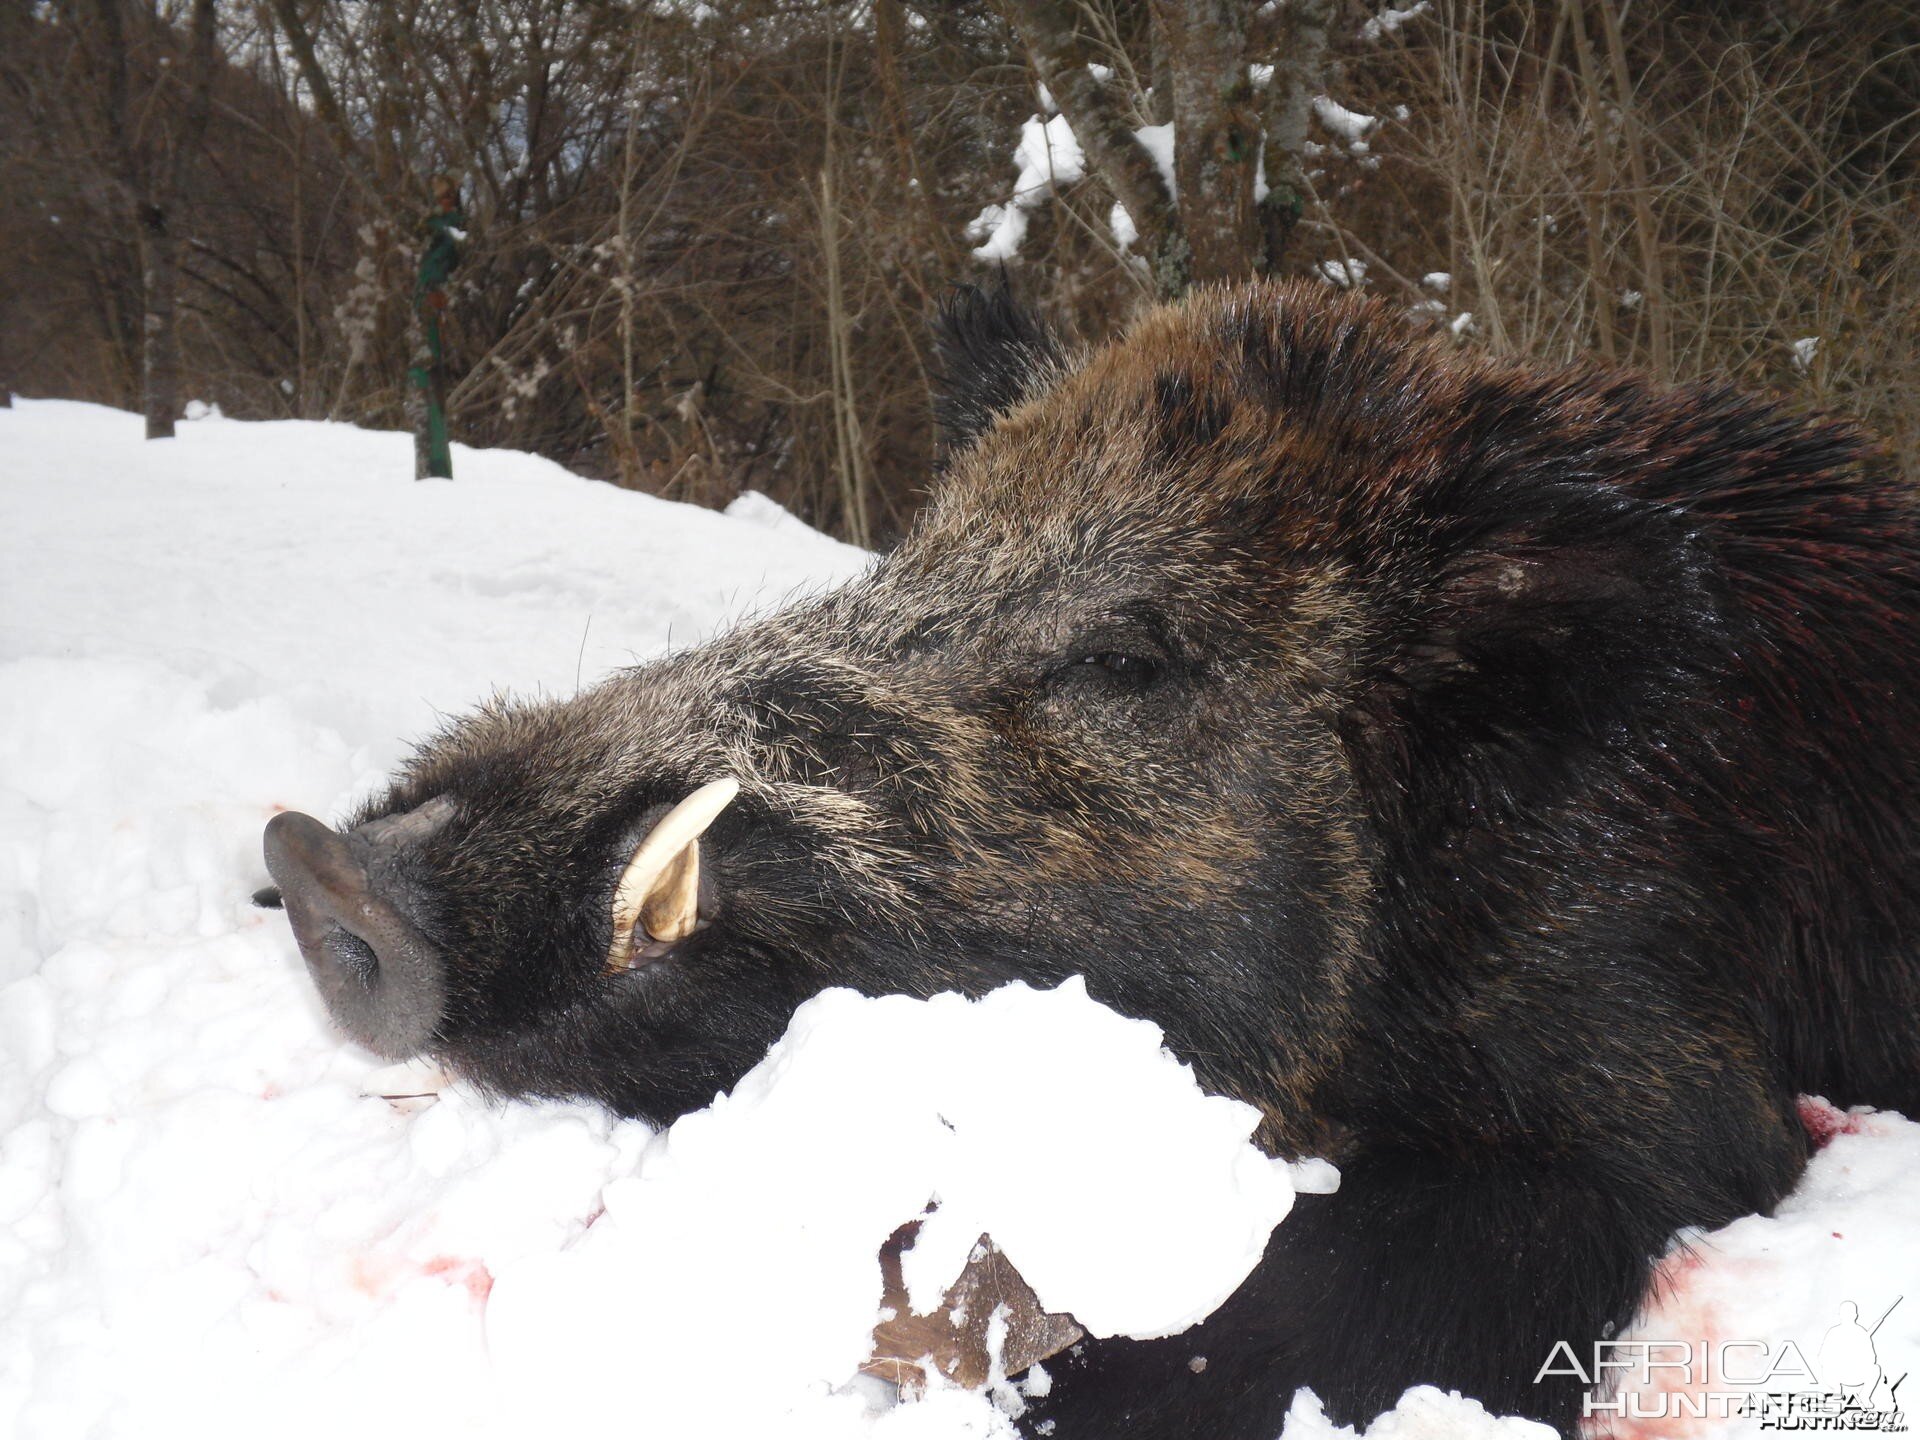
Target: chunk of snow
1349,125
1849,1234
1345,274
763,510
1423,1413
1048,155
1389,21
1132,1201
1158,140
1803,350
1438,281
1461,326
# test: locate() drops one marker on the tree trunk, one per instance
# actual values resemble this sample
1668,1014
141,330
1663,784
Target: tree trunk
159,337
1216,134
1299,73
1061,54
148,176
1215,230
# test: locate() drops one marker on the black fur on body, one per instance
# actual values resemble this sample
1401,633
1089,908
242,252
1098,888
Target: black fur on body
1505,778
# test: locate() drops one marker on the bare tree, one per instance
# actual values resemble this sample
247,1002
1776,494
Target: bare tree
1229,134
705,239
147,162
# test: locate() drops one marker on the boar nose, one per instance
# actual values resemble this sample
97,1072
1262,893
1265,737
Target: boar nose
382,980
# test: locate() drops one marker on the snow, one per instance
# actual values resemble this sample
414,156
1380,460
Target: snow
208,1230
1343,274
1158,140
1131,1235
1389,21
1048,155
1423,1413
1803,350
1740,1296
1350,125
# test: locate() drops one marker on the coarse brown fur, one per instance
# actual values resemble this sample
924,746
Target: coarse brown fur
1504,777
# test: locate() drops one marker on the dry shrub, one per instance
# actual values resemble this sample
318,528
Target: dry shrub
1698,192
706,240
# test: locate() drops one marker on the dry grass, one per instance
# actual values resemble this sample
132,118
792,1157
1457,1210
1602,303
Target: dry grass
1690,200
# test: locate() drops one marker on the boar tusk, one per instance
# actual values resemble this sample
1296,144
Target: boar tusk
660,888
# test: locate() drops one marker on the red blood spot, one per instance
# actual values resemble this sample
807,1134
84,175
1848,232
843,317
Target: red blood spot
368,1277
470,1273
1838,1236
1822,1121
380,1278
1671,1274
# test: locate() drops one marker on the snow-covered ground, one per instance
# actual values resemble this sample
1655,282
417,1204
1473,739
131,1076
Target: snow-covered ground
207,1229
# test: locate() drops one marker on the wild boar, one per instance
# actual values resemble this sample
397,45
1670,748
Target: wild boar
1502,776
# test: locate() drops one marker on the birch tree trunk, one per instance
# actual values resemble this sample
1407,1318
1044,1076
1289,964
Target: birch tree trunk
1299,73
1062,54
1216,135
159,332
148,170
1202,82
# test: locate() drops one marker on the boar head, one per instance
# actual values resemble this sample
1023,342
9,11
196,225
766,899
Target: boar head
1135,699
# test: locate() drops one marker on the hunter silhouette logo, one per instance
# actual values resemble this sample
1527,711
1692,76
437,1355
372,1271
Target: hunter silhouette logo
1849,1361
1846,1386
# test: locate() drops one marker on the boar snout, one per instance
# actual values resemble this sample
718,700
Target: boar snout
383,981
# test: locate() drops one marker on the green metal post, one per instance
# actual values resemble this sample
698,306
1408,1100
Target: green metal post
444,234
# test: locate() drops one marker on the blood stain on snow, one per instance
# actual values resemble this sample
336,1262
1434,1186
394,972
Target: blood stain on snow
1678,1312
1823,1120
470,1273
381,1278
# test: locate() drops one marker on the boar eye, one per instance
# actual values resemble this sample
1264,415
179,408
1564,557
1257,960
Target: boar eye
1137,669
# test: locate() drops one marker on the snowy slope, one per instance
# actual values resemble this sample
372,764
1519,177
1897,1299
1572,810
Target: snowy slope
205,1228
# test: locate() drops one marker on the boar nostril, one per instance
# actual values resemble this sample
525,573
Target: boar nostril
381,978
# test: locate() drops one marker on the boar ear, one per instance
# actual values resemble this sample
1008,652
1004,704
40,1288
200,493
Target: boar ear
989,355
1545,624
